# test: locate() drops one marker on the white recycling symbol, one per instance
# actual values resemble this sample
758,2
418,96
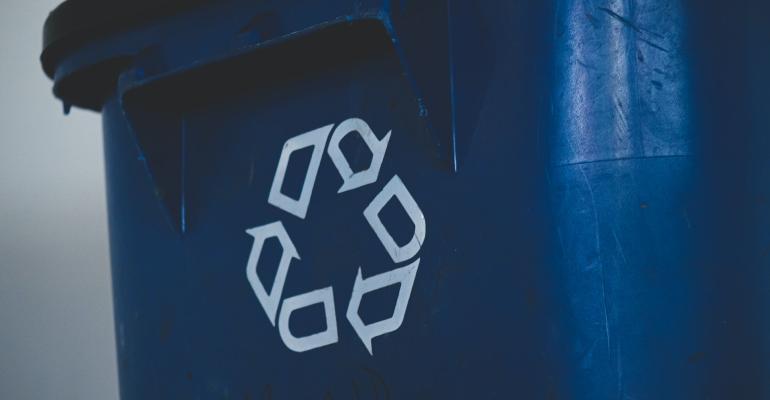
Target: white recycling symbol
403,276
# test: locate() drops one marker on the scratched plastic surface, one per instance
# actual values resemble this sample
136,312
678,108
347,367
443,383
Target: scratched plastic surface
594,178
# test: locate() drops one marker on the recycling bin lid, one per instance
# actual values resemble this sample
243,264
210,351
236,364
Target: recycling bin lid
75,22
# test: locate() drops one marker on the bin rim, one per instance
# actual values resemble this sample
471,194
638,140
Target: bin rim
76,22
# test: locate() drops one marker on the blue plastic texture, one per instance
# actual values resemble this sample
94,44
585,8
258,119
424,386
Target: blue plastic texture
592,177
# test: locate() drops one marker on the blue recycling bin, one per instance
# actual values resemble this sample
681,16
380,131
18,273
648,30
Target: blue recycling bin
434,199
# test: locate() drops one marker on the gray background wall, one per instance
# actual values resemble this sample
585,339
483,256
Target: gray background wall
56,330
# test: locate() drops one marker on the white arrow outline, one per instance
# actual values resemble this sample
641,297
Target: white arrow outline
317,139
405,276
315,340
270,300
358,179
395,188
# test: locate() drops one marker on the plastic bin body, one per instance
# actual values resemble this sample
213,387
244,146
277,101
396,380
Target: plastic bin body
576,194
